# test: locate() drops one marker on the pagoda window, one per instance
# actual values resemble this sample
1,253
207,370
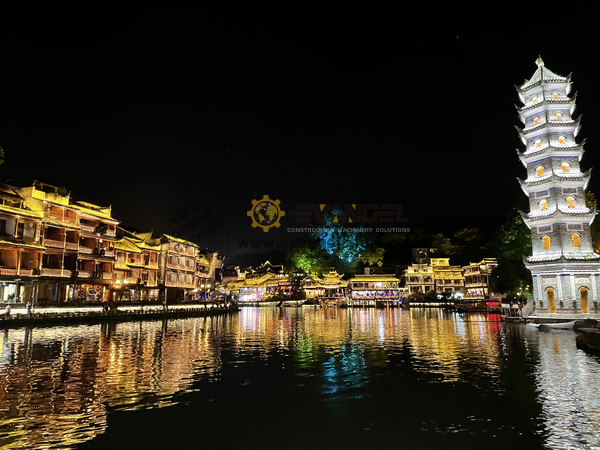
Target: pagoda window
535,99
546,242
561,139
536,120
566,167
543,205
555,94
576,240
570,202
539,171
558,116
538,143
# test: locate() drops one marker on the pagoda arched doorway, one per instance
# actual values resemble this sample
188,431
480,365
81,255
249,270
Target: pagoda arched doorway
583,293
551,303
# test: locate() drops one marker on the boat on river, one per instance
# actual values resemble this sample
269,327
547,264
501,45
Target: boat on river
479,305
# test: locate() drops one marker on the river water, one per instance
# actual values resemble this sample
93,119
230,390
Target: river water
299,378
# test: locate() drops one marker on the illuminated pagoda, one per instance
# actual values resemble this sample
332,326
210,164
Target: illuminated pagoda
564,266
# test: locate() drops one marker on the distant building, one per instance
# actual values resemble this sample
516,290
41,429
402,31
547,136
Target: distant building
376,290
448,279
419,278
478,281
328,289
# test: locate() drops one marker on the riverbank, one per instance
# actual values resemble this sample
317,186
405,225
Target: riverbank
69,315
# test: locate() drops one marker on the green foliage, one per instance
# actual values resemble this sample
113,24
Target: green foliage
590,199
511,242
373,256
443,244
307,258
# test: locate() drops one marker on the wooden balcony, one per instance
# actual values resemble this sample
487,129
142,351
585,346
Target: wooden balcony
71,246
26,272
10,272
85,250
51,272
87,228
84,274
53,243
110,233
109,253
66,273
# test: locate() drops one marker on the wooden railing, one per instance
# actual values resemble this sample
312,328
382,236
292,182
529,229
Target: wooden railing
10,272
53,243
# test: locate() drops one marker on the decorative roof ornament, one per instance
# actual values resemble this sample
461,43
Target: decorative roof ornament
539,61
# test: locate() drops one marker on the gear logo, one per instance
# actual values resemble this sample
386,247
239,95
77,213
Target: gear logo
265,213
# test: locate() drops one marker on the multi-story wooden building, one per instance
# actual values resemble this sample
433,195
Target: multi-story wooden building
478,283
21,249
419,278
327,290
448,279
375,290
78,260
136,270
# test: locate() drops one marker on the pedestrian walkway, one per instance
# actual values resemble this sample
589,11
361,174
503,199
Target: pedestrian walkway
48,315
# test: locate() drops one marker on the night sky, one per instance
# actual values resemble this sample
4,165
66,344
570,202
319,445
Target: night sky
155,112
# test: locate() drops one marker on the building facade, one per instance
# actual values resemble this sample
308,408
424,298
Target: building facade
564,267
448,279
419,278
478,282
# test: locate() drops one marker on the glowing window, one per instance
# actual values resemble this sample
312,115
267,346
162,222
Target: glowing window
554,95
565,167
561,139
576,240
546,242
539,171
538,142
543,205
558,116
571,202
536,120
535,99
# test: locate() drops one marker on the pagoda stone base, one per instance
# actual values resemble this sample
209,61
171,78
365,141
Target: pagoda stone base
568,290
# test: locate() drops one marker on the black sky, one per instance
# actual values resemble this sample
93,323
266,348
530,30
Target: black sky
137,107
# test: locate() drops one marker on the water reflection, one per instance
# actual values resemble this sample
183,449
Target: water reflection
58,384
568,381
436,377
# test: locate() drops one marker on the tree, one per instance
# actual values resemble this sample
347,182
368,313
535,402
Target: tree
443,244
336,240
510,243
306,258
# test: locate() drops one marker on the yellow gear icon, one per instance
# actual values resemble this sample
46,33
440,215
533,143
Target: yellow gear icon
265,213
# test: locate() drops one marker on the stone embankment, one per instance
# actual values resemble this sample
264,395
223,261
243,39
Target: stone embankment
588,334
64,316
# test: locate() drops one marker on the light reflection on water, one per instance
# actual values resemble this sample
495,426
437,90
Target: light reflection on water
437,377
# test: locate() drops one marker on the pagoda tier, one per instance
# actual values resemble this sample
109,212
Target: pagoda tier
534,155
